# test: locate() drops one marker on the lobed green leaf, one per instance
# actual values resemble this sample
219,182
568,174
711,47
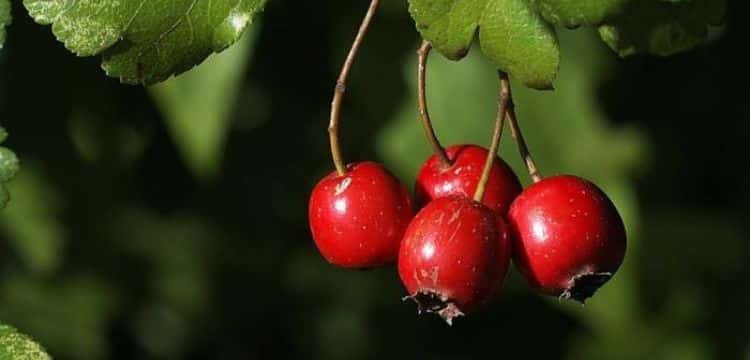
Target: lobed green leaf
511,33
518,41
574,13
663,27
146,41
9,164
17,346
450,25
9,167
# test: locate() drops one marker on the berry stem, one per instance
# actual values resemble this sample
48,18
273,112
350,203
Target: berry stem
340,89
503,101
515,131
424,115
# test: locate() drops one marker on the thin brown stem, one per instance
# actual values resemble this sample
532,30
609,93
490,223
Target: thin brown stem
340,89
502,109
515,131
424,114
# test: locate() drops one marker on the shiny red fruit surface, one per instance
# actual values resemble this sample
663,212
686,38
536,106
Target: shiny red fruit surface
357,220
461,178
454,256
568,238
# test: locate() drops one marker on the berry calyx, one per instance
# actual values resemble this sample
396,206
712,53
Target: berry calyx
568,238
357,219
454,256
463,175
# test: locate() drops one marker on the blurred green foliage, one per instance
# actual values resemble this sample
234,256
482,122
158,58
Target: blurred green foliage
5,19
212,90
171,222
662,27
32,226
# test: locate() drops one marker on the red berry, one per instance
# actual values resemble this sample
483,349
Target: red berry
358,219
461,178
568,238
454,256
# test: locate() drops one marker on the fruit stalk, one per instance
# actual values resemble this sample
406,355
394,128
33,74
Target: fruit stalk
340,89
503,101
424,114
515,131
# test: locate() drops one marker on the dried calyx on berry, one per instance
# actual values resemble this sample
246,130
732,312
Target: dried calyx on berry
433,303
585,285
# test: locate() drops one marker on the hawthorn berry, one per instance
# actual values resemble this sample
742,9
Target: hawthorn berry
454,256
568,238
462,176
357,219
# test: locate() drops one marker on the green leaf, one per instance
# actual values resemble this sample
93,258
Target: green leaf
511,33
9,164
574,13
519,42
450,25
146,41
4,19
662,27
17,346
198,107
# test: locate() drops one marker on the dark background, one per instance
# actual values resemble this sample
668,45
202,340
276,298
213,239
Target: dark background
117,246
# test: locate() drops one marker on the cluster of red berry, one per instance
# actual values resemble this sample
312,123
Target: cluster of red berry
563,233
